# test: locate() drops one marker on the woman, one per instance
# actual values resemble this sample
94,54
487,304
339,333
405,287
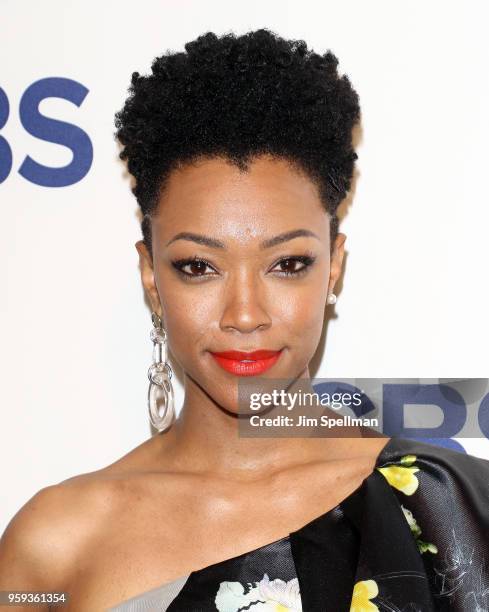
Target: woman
241,149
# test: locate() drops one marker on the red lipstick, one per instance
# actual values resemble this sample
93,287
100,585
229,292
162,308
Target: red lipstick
243,363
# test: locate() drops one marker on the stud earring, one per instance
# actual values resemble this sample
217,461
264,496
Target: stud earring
331,299
159,375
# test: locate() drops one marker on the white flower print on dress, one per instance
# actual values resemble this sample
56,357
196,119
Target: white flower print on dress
264,596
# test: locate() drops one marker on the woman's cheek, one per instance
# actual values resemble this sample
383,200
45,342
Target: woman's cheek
303,323
187,323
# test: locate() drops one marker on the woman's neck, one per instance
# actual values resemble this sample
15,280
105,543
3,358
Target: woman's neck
207,439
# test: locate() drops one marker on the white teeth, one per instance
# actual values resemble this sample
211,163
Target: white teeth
247,361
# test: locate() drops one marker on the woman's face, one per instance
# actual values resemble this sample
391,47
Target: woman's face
237,295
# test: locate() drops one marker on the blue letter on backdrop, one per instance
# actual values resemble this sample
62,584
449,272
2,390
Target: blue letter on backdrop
396,396
53,130
5,150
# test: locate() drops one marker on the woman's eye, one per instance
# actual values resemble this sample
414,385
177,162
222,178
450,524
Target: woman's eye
293,266
192,267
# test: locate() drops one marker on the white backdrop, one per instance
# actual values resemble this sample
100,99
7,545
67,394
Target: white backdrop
74,325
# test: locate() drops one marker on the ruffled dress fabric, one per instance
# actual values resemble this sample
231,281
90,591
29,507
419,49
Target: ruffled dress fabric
413,537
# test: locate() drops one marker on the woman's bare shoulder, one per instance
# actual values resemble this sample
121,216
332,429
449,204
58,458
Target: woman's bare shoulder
60,522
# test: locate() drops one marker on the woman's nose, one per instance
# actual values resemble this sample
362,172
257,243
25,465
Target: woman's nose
244,307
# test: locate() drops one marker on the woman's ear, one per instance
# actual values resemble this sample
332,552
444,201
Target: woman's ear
147,276
336,260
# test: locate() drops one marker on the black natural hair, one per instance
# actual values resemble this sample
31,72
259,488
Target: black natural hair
238,97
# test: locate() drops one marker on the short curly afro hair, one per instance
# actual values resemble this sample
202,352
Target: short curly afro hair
238,97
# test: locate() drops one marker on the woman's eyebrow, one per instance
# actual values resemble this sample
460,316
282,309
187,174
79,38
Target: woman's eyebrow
266,244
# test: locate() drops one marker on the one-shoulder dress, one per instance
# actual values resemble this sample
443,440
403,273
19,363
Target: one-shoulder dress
413,537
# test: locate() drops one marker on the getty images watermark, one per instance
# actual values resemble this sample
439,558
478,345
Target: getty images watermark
326,407
302,399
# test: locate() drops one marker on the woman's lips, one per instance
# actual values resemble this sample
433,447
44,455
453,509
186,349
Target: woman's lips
246,364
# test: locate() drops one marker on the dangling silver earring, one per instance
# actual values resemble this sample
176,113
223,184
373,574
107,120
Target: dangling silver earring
331,299
159,375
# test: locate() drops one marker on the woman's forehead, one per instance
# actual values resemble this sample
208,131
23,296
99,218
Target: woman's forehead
270,191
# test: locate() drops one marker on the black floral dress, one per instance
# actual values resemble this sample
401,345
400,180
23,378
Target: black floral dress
414,537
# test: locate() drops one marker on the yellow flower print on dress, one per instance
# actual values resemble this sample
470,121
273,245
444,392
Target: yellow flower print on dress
363,592
402,477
